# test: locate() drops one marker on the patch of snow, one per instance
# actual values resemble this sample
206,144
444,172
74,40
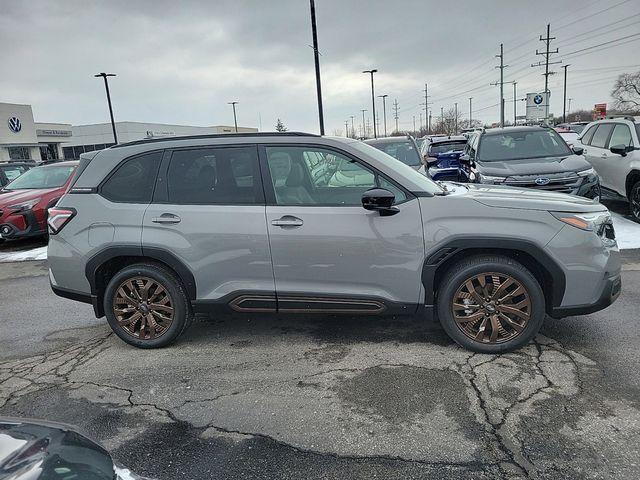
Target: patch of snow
39,253
627,232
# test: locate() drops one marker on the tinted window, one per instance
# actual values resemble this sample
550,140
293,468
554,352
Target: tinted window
13,171
602,133
215,176
444,147
315,176
586,138
133,180
42,177
621,136
402,150
514,145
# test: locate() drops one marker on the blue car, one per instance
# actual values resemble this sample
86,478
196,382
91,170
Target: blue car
442,155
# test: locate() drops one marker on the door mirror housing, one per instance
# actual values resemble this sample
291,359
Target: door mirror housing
380,200
577,150
619,150
465,159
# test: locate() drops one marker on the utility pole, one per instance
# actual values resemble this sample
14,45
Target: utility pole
569,107
470,98
502,66
456,114
564,97
429,124
546,54
316,59
106,87
373,101
353,130
368,129
363,123
426,105
515,108
395,109
235,120
346,128
414,124
384,111
420,121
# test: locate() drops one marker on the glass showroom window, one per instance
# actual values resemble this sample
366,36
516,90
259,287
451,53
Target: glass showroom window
19,153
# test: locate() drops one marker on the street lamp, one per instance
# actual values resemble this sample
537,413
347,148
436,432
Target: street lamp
373,101
364,133
235,120
384,111
106,87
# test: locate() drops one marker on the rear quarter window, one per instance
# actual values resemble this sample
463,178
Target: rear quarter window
133,180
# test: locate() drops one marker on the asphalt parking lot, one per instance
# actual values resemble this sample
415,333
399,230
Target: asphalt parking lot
329,397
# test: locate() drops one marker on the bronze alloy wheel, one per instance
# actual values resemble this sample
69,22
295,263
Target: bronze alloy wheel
491,307
143,308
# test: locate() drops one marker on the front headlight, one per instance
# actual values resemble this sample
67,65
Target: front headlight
490,179
585,221
24,206
588,172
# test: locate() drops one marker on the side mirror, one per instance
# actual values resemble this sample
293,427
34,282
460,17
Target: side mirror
577,150
619,150
465,159
380,200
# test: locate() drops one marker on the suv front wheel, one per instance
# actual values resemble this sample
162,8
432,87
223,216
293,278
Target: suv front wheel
146,306
490,304
634,201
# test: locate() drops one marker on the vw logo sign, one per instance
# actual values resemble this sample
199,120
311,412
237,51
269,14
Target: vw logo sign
538,99
542,181
14,124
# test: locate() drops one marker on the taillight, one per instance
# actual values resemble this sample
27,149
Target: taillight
58,218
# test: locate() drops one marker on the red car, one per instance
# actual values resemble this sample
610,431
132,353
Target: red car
24,201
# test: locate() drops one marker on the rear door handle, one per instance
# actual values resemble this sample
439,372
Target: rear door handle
287,221
166,218
604,155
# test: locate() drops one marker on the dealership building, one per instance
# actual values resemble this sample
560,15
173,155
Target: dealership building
21,138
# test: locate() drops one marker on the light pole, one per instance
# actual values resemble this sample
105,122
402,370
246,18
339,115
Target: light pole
456,114
364,133
384,111
373,101
515,107
235,120
353,130
106,87
470,98
316,59
564,99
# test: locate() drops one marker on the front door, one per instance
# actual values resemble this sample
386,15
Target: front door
597,154
328,252
209,211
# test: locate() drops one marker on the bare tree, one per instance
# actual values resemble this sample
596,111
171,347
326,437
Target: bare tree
626,92
447,123
337,132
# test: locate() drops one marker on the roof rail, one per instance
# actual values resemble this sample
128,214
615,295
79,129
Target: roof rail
215,135
624,117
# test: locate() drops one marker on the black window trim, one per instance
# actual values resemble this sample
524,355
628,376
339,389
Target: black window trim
267,182
117,167
162,184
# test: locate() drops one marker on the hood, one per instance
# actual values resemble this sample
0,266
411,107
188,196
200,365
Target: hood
11,197
533,166
529,199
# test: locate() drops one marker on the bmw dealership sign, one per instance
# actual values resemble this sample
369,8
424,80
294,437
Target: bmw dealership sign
537,105
14,124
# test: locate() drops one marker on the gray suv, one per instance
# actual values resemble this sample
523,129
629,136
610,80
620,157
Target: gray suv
154,231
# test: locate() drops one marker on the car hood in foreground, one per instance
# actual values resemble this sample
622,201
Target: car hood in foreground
533,166
11,197
524,198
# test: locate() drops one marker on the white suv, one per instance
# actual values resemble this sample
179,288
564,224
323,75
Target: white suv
612,147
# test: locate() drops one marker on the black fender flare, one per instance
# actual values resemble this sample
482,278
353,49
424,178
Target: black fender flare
445,251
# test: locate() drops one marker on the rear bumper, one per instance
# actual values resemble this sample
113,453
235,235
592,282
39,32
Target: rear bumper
78,297
611,289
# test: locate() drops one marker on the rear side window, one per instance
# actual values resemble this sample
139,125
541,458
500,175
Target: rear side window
215,176
133,180
599,139
586,138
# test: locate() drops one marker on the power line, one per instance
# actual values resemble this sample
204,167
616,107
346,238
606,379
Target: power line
593,14
601,44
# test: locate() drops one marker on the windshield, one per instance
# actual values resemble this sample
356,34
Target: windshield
425,184
42,177
444,147
402,150
577,128
518,145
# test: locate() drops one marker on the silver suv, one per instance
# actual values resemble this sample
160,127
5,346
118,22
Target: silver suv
612,147
153,231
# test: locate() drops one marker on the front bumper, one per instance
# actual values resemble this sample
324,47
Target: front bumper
22,225
611,289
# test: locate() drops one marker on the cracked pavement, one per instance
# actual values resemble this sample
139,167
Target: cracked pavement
329,397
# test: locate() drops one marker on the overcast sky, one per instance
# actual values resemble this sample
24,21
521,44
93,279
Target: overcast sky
181,61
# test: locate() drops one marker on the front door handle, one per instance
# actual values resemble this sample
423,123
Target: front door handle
287,221
604,155
166,218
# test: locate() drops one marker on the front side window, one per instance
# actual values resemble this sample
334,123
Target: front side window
588,135
133,180
42,177
621,136
523,144
215,176
315,176
599,139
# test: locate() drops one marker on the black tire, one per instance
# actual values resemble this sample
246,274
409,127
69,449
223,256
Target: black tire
454,284
178,302
634,202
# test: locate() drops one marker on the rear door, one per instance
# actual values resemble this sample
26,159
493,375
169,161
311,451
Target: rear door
616,167
209,212
598,155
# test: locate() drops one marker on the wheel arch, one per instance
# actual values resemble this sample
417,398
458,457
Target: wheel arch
544,268
102,266
632,177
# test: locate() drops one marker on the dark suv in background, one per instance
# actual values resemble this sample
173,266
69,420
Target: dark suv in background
402,148
531,157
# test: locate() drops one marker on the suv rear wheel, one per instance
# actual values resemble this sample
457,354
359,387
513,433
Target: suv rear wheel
146,306
490,304
634,201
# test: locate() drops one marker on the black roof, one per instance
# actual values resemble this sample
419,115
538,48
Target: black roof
215,135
